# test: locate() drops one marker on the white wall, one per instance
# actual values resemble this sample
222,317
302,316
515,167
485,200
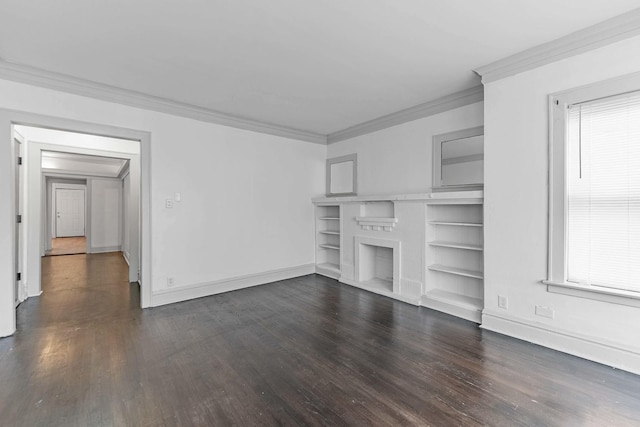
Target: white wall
516,171
106,214
246,197
399,159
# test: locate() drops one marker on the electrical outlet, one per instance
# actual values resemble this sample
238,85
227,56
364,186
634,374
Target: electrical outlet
168,203
545,311
503,302
169,281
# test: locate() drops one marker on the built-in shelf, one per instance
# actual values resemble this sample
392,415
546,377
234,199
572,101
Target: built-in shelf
462,301
455,270
328,239
330,267
378,284
453,303
328,246
456,245
457,224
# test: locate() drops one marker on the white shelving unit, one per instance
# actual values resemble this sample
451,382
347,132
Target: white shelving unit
328,240
454,257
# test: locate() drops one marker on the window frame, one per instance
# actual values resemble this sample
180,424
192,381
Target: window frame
557,256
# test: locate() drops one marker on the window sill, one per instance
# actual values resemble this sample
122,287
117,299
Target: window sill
599,293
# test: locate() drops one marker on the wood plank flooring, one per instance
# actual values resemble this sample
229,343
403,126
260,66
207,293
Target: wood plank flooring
306,351
67,246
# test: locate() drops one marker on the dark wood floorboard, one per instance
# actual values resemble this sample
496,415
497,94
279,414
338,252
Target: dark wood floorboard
306,351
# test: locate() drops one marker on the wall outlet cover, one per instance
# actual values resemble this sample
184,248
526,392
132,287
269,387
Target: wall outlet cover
503,302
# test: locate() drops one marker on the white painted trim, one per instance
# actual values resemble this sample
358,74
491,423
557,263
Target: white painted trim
104,249
65,83
77,174
470,196
472,315
62,82
199,290
604,33
327,273
445,103
126,258
581,345
599,293
399,297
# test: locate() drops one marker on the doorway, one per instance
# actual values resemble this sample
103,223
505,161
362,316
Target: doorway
65,216
27,260
75,182
69,212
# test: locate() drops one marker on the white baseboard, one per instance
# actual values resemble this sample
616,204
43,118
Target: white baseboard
581,345
184,293
403,298
463,312
103,249
126,258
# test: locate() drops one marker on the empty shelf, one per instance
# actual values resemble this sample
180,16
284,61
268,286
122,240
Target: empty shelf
335,268
468,246
455,270
329,217
460,224
378,284
336,233
455,299
328,246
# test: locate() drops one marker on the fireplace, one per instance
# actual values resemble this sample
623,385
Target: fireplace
377,263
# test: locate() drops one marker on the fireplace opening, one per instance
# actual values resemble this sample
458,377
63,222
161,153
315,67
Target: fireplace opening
376,267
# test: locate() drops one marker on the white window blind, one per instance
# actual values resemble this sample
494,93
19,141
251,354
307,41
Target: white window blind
603,192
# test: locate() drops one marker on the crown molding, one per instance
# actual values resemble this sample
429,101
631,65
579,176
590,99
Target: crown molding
62,82
607,32
446,103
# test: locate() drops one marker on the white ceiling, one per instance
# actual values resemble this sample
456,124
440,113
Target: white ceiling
318,66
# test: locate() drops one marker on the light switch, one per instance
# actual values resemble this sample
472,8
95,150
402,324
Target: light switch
177,197
168,203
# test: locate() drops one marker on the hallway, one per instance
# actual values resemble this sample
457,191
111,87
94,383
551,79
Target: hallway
305,351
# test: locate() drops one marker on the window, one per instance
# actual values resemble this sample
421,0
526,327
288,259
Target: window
595,192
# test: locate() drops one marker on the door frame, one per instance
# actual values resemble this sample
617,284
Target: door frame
20,292
140,166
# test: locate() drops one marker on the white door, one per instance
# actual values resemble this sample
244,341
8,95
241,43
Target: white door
69,212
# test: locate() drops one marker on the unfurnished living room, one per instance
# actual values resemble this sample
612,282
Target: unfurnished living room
361,212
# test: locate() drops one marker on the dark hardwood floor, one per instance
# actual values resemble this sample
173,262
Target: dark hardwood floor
306,351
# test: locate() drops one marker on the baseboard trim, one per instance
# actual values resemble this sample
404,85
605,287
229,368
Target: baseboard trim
126,258
103,249
408,300
185,293
451,309
580,345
